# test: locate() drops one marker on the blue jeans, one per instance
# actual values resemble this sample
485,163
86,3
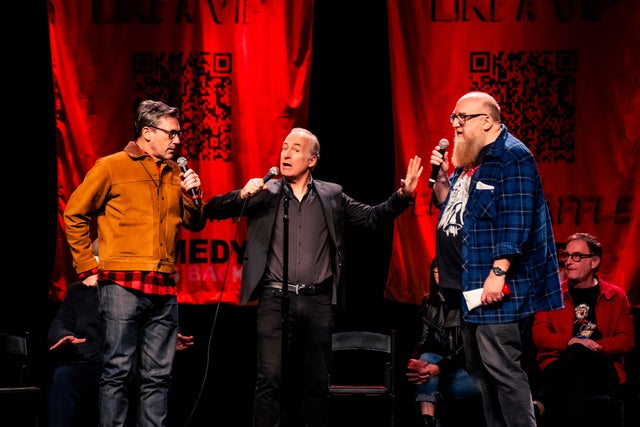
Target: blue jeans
139,346
451,385
304,392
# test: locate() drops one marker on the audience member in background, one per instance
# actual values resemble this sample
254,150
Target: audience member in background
581,348
75,335
436,365
495,228
319,212
140,200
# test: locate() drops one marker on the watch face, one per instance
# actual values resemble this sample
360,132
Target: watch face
499,271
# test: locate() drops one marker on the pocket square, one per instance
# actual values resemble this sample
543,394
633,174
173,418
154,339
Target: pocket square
482,186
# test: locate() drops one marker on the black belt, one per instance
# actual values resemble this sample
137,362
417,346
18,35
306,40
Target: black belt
302,289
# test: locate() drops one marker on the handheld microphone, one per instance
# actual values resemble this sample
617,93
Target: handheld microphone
195,194
274,171
442,147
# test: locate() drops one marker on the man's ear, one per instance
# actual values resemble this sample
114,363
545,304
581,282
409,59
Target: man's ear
488,123
147,135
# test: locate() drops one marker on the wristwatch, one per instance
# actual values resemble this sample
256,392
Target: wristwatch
498,271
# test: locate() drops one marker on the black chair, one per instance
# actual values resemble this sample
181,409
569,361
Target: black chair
363,372
20,399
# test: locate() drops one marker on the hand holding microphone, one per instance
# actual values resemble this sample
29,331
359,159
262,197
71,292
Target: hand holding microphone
194,192
273,172
435,168
255,185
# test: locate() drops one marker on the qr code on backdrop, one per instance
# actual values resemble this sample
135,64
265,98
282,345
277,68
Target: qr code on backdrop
537,95
199,84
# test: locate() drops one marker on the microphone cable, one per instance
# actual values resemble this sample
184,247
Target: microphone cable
213,324
273,171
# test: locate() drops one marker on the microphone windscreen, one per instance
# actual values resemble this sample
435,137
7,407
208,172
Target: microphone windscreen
274,171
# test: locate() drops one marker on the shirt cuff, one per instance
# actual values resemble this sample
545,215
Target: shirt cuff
88,273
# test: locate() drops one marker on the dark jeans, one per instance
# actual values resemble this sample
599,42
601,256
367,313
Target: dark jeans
302,393
73,396
566,382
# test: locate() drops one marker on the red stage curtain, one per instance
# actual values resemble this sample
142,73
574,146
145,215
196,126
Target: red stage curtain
566,74
239,72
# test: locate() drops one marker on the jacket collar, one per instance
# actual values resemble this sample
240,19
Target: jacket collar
134,151
606,288
496,148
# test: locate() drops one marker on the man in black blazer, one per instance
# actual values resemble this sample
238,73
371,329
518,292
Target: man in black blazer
316,213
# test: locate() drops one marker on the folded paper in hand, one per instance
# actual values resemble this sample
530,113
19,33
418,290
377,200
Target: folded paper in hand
472,298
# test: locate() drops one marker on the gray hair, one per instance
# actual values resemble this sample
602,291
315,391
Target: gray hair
315,144
149,112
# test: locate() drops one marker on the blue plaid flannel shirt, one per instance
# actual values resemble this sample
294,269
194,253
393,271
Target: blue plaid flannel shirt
507,217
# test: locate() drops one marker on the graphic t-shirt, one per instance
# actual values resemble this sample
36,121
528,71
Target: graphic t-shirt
449,233
584,324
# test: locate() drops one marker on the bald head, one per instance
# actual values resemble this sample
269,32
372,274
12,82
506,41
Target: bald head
487,101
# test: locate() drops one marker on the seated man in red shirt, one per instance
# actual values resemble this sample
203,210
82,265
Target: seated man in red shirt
581,347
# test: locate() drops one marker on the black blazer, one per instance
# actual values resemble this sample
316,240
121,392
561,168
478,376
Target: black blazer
261,209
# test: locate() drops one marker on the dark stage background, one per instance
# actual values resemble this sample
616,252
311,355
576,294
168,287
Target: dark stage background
350,110
351,115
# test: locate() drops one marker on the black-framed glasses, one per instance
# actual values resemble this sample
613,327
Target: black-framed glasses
575,256
172,133
462,118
